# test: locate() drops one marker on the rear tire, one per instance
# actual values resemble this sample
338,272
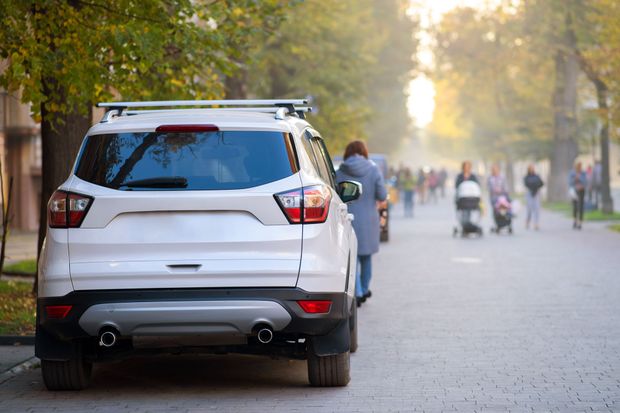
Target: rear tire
353,328
73,374
329,371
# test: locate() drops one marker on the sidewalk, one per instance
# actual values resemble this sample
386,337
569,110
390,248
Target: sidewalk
11,356
21,246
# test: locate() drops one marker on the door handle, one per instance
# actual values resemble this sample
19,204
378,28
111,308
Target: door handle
350,217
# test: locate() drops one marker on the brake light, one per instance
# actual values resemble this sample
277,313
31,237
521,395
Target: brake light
187,128
305,205
315,306
67,210
316,203
57,311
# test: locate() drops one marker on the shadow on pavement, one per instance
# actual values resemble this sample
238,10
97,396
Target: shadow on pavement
209,373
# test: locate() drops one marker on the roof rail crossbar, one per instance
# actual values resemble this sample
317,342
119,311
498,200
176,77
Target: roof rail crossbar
222,102
259,109
114,109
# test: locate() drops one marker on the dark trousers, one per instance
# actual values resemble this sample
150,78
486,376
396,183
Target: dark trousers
578,205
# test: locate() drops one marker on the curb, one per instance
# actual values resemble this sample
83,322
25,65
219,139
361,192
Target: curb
29,364
16,340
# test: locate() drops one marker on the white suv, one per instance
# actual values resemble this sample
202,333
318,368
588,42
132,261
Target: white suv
216,230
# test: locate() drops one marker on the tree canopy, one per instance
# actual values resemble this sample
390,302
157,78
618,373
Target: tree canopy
353,57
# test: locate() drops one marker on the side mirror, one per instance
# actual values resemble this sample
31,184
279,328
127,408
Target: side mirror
349,190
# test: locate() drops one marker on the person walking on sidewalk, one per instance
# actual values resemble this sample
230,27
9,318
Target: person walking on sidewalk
577,182
433,183
408,185
465,175
533,183
357,167
443,177
496,185
421,185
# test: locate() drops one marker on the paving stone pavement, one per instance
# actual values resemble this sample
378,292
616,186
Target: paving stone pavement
12,355
529,322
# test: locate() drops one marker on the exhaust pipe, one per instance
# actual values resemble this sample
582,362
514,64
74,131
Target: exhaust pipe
264,334
108,337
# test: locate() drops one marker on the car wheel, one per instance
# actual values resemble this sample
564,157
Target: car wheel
353,328
66,375
329,371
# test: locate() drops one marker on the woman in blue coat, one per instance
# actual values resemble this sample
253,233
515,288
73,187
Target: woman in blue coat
357,167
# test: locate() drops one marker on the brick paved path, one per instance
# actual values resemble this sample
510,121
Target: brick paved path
529,322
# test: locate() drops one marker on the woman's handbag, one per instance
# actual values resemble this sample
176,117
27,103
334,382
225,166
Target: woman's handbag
572,194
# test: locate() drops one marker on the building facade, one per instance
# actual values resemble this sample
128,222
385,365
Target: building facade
20,154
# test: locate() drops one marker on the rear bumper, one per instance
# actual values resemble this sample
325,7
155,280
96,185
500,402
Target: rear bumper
191,311
184,317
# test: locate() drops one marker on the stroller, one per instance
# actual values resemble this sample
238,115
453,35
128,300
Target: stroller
468,209
502,214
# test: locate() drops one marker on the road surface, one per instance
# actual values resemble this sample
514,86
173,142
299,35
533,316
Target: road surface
529,322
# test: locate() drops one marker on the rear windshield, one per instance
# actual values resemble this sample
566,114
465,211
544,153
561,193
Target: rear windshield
185,161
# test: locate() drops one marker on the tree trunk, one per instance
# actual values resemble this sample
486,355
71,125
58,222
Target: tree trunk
565,148
606,200
61,136
236,86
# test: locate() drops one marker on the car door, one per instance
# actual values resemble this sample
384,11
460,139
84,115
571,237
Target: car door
336,239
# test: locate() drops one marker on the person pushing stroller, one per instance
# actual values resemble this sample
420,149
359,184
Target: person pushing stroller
467,202
500,200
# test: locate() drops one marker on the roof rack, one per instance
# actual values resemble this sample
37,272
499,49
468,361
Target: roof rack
281,107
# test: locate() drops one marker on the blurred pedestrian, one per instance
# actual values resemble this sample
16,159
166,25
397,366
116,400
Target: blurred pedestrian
577,182
408,186
443,177
357,167
433,183
421,186
533,183
465,175
496,185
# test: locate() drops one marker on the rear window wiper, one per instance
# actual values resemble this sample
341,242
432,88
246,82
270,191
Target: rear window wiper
157,182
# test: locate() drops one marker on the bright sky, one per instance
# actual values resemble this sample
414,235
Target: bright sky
421,102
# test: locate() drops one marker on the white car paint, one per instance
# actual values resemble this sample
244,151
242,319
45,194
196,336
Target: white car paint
186,239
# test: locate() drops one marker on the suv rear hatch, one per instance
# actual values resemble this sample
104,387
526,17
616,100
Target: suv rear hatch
185,207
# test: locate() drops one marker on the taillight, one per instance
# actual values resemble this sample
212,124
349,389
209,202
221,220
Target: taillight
315,306
291,202
67,210
316,203
305,205
57,311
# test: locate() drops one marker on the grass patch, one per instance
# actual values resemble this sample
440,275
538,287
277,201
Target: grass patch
615,227
599,216
558,206
567,209
17,308
26,267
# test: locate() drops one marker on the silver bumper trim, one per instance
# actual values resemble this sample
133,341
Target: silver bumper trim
184,317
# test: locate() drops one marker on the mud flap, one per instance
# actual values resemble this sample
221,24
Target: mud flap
48,347
336,342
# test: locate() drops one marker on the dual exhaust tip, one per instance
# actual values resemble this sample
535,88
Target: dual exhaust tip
264,334
108,336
